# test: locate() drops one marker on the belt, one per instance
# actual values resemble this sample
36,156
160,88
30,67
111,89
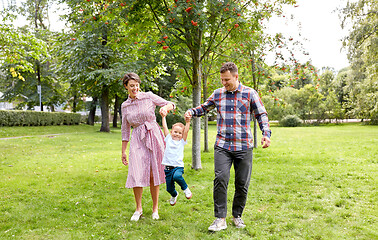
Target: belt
169,168
146,135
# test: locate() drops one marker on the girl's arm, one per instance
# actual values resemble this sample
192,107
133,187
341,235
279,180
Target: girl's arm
165,127
186,129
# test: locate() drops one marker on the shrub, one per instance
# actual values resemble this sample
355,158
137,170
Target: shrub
291,121
32,118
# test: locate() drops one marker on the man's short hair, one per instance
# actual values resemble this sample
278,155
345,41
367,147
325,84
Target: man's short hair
229,66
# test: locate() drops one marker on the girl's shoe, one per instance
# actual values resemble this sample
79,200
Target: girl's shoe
188,193
173,200
136,216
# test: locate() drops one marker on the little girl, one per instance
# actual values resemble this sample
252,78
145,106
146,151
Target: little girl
173,158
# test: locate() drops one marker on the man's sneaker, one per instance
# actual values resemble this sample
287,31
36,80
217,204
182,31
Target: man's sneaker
136,216
188,193
218,224
238,222
173,200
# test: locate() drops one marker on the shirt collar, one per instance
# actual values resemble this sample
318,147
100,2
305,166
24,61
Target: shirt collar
238,89
137,97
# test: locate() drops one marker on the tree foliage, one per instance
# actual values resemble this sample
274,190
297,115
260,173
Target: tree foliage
362,44
26,57
16,47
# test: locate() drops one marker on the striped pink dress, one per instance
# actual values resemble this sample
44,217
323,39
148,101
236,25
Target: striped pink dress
146,142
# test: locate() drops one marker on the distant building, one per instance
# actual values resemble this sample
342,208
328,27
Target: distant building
5,105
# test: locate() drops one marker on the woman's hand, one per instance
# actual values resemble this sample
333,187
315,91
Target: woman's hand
124,159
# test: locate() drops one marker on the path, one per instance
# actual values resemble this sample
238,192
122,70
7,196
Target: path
47,135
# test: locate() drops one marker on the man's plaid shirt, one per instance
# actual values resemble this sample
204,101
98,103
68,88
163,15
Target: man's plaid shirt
234,116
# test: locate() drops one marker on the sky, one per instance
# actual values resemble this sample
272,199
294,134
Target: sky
320,25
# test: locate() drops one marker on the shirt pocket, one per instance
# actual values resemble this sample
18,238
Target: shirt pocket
243,106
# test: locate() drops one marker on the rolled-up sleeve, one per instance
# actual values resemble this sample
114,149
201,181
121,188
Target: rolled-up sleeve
203,108
260,114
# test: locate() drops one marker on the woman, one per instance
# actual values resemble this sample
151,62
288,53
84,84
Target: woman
146,142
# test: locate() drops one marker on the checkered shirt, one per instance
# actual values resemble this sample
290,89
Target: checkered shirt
234,116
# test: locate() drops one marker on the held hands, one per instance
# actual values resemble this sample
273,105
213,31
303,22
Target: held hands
188,114
265,141
188,117
124,159
163,111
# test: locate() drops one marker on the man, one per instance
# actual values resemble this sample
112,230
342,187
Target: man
235,104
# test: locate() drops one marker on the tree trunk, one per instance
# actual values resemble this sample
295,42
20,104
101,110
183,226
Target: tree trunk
206,120
254,132
105,90
38,73
196,141
38,64
256,88
74,105
105,110
115,113
92,112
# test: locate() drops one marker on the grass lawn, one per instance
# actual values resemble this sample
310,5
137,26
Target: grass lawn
312,183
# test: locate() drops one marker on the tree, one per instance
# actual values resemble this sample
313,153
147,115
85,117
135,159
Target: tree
326,80
362,45
26,57
308,104
189,31
94,55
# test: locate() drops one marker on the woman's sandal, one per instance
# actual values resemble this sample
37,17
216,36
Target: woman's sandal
136,216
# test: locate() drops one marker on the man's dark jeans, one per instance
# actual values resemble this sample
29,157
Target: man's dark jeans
223,159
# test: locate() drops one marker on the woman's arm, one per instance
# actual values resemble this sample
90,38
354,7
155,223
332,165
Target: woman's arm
164,110
164,104
124,157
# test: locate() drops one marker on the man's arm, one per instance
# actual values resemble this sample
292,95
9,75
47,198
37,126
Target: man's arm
262,119
202,109
165,127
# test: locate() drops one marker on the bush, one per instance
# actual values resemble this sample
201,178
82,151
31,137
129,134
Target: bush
291,121
32,118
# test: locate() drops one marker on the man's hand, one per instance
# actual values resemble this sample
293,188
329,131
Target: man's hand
124,159
188,118
265,141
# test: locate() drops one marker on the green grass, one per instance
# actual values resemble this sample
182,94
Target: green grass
312,183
